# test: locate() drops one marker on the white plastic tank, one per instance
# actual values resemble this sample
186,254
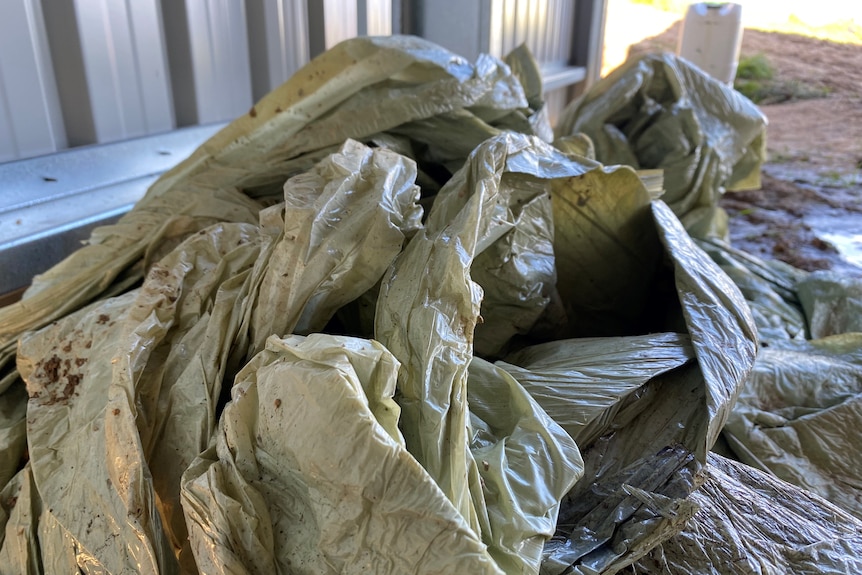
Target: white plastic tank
711,37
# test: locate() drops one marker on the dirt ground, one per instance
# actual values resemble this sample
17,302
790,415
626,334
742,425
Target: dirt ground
809,210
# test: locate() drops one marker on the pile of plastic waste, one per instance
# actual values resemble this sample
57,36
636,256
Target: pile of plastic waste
389,322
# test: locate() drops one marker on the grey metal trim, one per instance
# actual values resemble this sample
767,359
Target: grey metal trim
49,204
560,77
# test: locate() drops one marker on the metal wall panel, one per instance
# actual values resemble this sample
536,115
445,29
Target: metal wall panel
124,68
341,20
30,119
51,203
545,26
378,17
278,41
111,68
462,27
548,28
208,51
333,21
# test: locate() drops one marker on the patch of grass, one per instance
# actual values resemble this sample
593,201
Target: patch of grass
755,79
756,67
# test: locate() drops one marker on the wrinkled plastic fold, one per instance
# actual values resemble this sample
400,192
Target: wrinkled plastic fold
750,522
307,473
660,111
798,416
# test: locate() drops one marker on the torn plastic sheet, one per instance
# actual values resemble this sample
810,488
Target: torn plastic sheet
659,111
308,473
750,522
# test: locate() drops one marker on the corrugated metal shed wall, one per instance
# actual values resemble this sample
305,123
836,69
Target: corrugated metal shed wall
75,72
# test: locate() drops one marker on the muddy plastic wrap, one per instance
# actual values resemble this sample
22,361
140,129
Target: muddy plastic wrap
659,111
168,365
750,522
308,473
154,227
85,519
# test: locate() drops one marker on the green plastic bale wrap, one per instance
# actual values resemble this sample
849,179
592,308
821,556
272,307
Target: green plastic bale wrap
660,111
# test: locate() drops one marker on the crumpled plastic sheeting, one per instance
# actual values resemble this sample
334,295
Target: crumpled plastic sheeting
610,241
13,431
20,509
583,383
800,415
750,522
718,319
428,306
169,362
769,287
608,523
526,464
607,254
342,224
832,303
800,411
184,326
308,474
359,88
85,522
685,407
156,224
659,111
